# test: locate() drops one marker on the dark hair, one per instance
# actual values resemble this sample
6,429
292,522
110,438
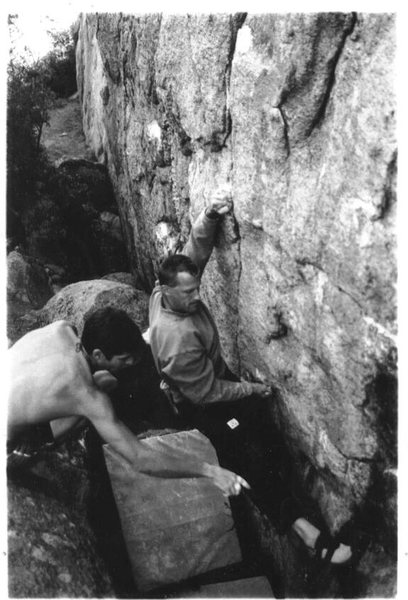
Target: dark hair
174,264
113,331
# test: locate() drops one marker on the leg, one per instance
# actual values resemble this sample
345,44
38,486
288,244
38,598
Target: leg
255,450
248,444
310,535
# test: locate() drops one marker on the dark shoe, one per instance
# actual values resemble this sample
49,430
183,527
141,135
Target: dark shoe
349,535
322,572
326,542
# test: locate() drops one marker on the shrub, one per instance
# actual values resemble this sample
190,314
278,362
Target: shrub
31,93
60,65
28,103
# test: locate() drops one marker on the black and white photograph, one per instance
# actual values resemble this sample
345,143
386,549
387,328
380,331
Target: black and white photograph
202,311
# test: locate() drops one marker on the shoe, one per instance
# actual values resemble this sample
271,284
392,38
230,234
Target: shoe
320,576
349,535
326,542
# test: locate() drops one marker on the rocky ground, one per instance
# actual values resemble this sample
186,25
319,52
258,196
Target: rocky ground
64,137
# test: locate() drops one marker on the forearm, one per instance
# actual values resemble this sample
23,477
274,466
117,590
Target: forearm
173,463
192,375
218,390
201,240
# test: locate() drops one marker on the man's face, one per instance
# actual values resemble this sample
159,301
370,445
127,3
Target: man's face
185,295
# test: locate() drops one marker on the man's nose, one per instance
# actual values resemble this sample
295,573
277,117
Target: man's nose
131,361
196,295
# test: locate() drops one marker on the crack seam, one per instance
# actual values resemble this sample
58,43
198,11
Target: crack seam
332,77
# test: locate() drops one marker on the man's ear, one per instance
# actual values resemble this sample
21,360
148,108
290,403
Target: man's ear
97,356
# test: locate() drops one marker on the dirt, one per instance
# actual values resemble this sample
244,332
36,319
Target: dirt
64,137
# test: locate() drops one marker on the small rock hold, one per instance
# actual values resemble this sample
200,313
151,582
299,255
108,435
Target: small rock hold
39,554
52,540
257,223
65,577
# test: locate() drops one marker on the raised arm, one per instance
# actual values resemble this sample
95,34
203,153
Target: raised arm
202,235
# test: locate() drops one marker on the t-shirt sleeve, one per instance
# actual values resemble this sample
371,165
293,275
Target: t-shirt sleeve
201,240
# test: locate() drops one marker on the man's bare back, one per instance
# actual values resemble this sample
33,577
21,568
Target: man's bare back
50,378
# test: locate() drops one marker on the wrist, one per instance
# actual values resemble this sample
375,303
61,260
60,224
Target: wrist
208,470
247,387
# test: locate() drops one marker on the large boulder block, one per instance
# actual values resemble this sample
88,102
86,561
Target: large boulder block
174,528
76,301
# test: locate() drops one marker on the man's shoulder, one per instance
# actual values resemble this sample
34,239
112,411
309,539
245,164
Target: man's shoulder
175,337
50,334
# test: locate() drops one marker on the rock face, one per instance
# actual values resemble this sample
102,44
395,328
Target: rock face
296,113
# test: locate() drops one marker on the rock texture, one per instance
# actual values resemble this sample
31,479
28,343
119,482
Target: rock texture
71,221
29,286
296,112
51,548
27,280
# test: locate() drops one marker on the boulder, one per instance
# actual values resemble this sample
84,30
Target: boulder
29,286
27,280
77,300
51,548
126,278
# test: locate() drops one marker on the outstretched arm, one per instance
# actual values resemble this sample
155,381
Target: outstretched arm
173,463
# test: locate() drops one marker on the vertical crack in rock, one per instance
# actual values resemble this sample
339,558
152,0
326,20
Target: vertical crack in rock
388,196
332,64
239,273
285,128
237,21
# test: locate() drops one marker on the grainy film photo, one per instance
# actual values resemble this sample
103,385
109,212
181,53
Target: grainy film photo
201,304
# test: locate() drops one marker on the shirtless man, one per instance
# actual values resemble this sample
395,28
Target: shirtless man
57,381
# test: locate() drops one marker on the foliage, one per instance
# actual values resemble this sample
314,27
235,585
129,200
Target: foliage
60,63
28,104
31,93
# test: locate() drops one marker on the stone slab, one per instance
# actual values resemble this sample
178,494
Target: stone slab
174,529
